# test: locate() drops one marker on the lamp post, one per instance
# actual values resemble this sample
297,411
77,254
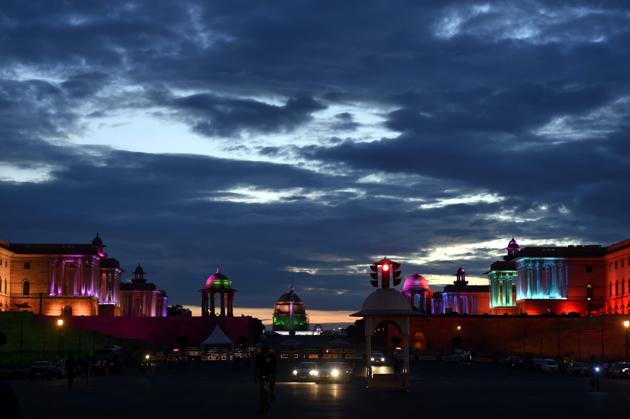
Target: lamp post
60,327
626,326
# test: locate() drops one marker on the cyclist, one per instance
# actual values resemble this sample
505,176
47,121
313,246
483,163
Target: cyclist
265,373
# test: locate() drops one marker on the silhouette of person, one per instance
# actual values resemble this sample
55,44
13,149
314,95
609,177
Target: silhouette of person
71,366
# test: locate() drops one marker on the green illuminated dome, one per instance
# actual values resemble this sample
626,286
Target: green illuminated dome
217,280
289,313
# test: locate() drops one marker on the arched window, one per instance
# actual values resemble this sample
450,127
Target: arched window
66,311
26,288
617,288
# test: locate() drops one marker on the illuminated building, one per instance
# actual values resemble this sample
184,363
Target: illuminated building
462,298
289,313
417,290
502,277
580,279
56,279
140,298
617,284
217,284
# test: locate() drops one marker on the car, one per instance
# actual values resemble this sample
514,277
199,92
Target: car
462,355
619,370
536,363
335,371
550,365
47,370
514,361
306,371
377,358
578,368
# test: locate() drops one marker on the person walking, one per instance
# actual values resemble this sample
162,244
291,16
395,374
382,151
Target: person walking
71,366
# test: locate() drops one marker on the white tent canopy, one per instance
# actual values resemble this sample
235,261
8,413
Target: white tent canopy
217,338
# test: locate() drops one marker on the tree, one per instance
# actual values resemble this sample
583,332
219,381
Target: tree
177,310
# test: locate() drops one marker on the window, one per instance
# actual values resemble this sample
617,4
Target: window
589,268
623,287
615,265
617,288
26,288
27,265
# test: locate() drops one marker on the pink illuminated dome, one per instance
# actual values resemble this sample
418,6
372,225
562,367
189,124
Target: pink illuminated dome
415,282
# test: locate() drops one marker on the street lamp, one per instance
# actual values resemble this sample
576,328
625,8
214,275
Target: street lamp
459,327
60,327
626,326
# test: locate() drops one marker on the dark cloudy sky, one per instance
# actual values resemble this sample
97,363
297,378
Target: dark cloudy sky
299,140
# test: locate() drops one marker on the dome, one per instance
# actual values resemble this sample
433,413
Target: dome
218,280
289,296
513,244
386,301
415,282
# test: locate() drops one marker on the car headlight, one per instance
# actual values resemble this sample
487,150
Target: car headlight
625,370
335,373
372,359
295,372
313,372
382,359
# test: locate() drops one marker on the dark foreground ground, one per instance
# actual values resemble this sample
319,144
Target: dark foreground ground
439,390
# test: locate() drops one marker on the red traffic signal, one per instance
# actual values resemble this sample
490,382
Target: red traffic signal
384,272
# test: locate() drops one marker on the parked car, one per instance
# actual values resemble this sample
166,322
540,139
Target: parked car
306,371
514,361
47,370
619,370
536,363
377,358
462,355
578,368
550,365
335,371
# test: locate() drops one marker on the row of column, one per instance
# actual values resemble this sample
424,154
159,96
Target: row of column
82,281
542,280
501,290
226,298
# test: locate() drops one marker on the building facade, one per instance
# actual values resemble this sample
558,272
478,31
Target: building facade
71,280
617,284
55,279
575,279
140,298
461,298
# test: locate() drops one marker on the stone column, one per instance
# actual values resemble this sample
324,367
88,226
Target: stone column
53,269
62,277
222,303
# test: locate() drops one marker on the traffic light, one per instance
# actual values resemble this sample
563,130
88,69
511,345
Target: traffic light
396,272
384,272
374,275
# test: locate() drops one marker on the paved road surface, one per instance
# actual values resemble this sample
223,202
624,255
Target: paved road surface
440,390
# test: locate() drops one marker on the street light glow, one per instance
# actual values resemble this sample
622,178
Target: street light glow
60,322
626,323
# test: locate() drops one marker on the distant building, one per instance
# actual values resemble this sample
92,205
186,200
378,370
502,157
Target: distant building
140,298
462,298
219,285
581,279
417,290
59,279
289,313
502,277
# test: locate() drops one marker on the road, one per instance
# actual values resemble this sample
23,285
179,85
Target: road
439,390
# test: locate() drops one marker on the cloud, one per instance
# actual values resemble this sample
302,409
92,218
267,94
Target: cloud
296,143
